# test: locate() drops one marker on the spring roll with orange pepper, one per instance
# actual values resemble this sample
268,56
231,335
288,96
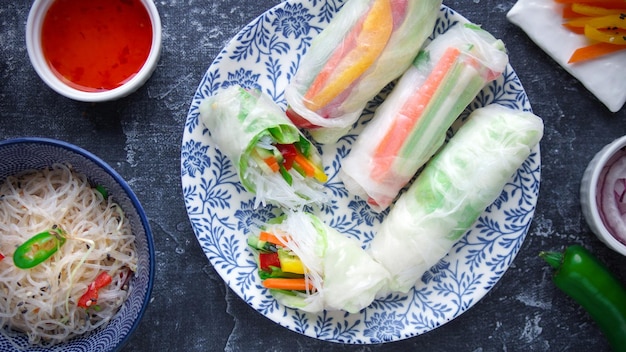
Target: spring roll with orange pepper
368,44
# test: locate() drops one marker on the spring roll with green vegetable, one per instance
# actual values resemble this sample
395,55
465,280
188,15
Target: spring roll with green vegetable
411,124
453,189
309,266
368,44
272,157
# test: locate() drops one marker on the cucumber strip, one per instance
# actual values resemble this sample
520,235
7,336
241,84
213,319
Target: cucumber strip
459,88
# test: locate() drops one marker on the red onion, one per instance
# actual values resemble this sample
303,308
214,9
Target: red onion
611,195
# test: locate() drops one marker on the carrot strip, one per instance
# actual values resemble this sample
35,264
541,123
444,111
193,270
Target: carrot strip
309,170
593,51
272,163
271,238
413,109
292,284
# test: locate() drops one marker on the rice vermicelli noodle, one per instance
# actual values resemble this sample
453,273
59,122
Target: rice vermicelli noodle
42,301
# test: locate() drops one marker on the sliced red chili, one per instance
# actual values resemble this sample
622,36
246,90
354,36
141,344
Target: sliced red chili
289,153
90,298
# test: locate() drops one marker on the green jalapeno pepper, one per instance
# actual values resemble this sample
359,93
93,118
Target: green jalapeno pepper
39,248
585,279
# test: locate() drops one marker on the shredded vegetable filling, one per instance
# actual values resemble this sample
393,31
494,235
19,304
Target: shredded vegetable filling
47,301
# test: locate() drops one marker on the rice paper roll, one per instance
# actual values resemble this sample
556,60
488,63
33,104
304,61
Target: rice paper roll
368,44
411,124
309,266
454,188
272,157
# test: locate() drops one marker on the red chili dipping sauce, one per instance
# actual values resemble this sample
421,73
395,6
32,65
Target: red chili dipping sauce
96,45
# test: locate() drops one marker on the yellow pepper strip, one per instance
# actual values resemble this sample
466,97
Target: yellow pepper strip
320,176
609,21
613,36
595,11
370,43
290,263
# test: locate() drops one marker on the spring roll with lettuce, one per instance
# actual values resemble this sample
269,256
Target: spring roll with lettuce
309,266
368,44
453,189
272,157
411,124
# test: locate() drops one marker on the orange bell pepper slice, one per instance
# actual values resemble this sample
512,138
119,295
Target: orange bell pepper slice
355,55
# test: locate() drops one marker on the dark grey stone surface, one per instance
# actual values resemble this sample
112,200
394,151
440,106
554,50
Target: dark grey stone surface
191,307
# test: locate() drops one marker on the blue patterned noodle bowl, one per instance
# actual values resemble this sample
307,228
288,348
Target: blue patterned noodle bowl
265,55
18,155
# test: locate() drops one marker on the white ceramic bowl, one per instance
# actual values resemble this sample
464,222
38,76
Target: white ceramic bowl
22,154
588,193
33,44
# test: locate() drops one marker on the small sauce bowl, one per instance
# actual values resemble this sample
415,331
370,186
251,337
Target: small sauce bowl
591,197
94,51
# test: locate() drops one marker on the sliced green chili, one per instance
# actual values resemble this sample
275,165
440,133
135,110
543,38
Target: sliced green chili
285,173
39,248
585,279
102,191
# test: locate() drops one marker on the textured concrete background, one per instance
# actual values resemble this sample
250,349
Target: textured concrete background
192,309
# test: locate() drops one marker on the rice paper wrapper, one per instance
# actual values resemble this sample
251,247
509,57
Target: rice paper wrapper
408,35
237,120
604,77
392,148
345,275
454,188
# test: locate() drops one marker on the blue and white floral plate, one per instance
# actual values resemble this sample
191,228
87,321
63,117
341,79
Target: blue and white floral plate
265,55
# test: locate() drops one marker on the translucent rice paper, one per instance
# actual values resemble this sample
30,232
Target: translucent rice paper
413,22
454,188
238,120
407,130
345,276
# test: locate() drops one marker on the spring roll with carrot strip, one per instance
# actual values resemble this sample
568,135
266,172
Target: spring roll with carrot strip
453,189
309,266
411,124
272,157
368,44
